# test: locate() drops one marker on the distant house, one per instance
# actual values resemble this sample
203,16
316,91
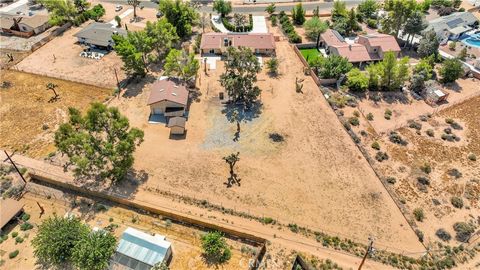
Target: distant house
99,35
9,209
217,43
177,125
168,98
140,251
366,48
453,26
26,25
378,44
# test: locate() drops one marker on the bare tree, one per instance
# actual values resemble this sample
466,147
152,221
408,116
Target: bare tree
232,159
134,4
52,86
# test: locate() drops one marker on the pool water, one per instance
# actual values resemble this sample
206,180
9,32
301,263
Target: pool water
472,40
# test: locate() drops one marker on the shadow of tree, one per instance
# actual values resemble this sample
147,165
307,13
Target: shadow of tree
136,85
238,112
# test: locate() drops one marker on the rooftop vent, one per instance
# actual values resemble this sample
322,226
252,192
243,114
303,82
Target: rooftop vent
174,94
161,90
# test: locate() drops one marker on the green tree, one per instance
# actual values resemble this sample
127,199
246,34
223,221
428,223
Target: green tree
99,144
339,10
333,66
425,66
60,11
56,239
241,68
367,9
272,65
160,266
416,23
96,12
373,76
181,64
270,9
222,7
81,5
393,72
428,44
298,14
451,70
398,13
93,252
180,14
215,248
118,20
164,35
357,81
417,82
134,4
314,27
135,50
352,24
463,54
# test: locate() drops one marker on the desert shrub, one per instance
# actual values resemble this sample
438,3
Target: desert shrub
457,202
456,126
430,132
347,125
388,114
381,156
25,217
355,138
215,247
26,226
443,234
356,113
273,20
18,240
419,235
463,230
415,125
449,121
268,220
14,234
13,254
394,137
293,227
419,215
276,137
376,145
472,157
354,121
370,117
372,23
423,180
423,118
426,168
455,173
391,180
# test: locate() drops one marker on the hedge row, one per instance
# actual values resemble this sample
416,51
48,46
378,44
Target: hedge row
288,28
233,28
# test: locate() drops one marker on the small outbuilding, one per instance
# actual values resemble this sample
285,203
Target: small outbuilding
168,97
177,125
9,209
433,94
140,251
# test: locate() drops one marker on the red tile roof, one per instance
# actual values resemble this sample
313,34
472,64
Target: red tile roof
252,41
332,37
168,89
385,42
354,52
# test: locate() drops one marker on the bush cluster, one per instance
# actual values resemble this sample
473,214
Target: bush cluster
376,145
394,137
288,28
457,202
233,28
443,234
419,215
388,114
463,230
381,156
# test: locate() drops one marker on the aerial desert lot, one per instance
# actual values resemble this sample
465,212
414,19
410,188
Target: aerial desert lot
316,177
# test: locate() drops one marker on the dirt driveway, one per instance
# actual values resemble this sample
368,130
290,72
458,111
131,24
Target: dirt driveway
315,178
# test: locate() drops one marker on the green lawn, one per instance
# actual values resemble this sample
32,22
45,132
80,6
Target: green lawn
309,53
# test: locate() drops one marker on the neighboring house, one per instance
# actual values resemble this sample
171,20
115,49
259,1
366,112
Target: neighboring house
217,43
140,251
168,98
177,125
99,35
453,26
26,25
9,209
366,48
378,44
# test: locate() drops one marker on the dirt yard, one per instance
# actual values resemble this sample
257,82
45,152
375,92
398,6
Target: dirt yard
317,161
186,245
453,169
60,58
28,119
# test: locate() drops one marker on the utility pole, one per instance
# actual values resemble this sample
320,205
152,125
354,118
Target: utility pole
15,166
369,249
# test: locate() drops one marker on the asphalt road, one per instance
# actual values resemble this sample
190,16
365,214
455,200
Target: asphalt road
251,8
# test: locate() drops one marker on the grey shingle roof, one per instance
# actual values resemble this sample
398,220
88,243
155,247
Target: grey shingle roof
454,20
99,33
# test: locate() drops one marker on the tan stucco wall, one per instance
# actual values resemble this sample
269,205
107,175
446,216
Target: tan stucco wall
164,104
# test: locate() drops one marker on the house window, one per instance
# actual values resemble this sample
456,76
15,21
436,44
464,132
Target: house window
212,51
225,42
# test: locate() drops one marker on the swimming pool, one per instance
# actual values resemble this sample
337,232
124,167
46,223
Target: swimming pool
472,40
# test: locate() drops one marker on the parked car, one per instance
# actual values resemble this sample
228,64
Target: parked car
118,8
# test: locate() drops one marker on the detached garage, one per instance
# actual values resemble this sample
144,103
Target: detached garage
168,98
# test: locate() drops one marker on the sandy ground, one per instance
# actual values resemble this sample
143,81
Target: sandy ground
401,105
406,161
317,162
28,119
186,245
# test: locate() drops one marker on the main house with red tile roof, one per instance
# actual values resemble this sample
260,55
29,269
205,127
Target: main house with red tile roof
366,48
217,43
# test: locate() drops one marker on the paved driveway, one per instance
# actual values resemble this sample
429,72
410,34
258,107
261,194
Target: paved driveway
259,24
